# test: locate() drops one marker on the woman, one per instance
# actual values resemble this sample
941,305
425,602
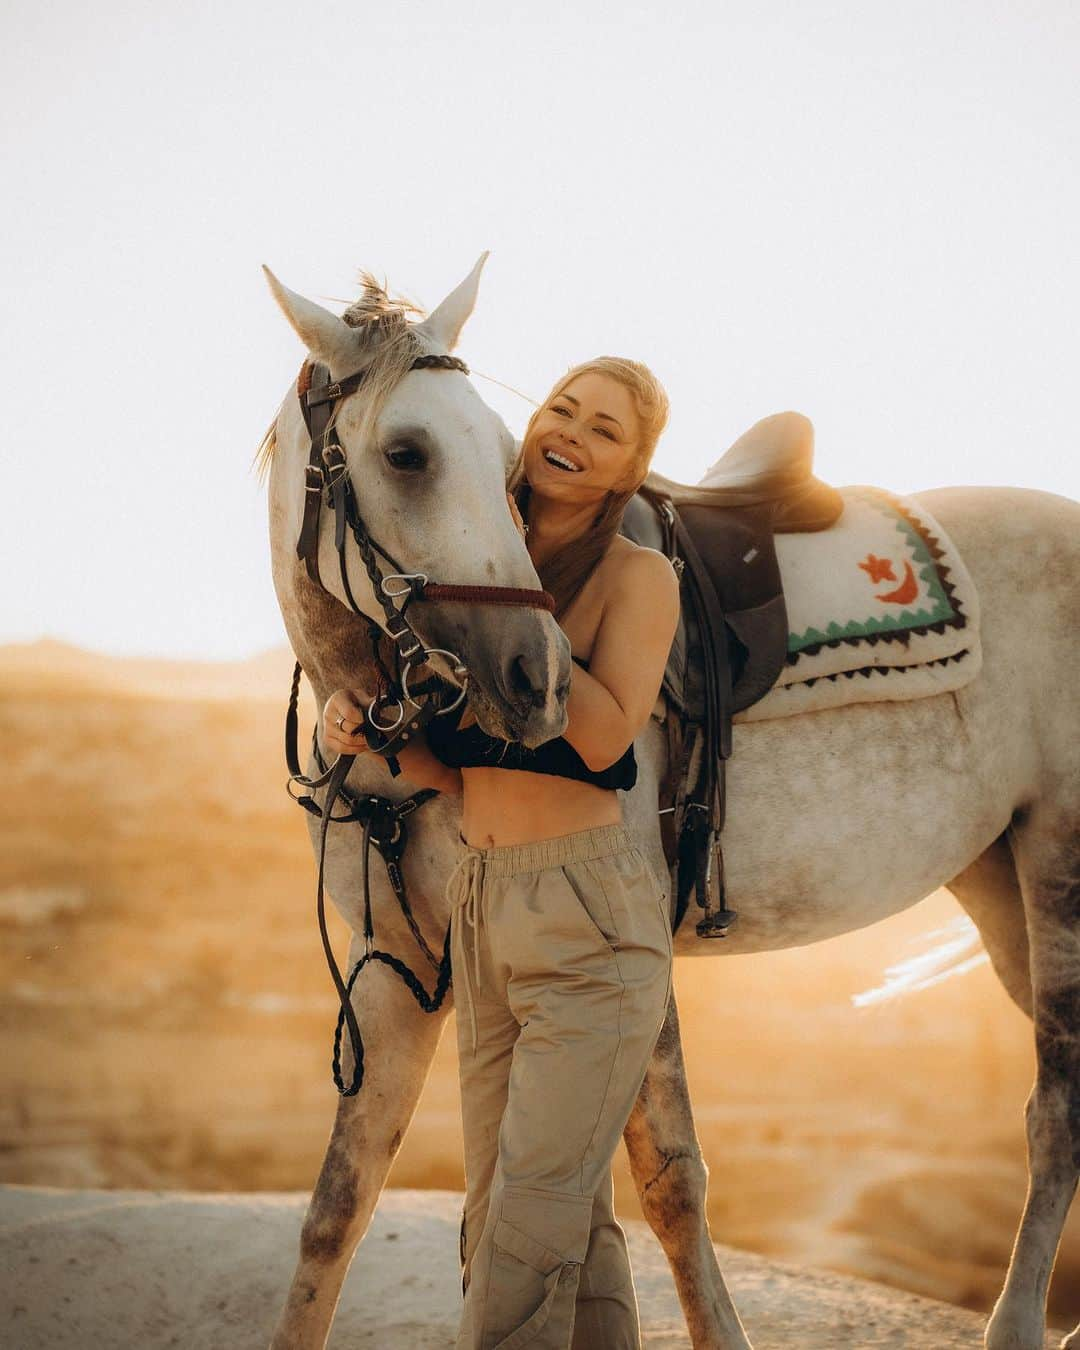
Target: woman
560,935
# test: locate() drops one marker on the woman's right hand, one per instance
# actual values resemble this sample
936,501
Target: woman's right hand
348,738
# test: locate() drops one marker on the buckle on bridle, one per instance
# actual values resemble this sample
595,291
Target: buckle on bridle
334,459
414,583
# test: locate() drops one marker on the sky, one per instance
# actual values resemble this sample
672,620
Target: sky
861,210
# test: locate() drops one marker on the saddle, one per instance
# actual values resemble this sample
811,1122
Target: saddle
731,642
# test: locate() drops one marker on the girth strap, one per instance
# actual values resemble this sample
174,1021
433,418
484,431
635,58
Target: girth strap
706,803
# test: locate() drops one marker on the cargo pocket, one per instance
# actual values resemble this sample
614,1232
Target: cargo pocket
529,1279
525,1274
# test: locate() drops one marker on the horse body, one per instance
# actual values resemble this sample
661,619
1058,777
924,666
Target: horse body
836,819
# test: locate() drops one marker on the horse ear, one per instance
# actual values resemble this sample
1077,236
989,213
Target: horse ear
328,338
445,322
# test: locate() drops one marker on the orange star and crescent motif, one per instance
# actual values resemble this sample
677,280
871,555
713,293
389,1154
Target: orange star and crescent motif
881,569
878,569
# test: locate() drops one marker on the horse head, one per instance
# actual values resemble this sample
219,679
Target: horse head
428,461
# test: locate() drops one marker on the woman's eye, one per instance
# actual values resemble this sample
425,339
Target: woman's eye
563,412
603,431
406,457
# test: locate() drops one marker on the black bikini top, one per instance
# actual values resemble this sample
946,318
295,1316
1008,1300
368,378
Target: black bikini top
471,748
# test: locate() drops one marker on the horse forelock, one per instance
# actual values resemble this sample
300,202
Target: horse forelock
375,307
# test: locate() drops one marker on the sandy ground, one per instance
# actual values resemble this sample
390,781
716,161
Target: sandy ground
81,1270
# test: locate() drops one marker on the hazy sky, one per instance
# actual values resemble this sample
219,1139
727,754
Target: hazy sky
867,211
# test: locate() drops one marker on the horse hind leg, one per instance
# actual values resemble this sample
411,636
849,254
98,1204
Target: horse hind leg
671,1179
989,890
400,1042
1046,845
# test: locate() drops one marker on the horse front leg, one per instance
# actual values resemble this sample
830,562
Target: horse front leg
399,1044
672,1180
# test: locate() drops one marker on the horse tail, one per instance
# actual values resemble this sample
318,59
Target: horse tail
956,948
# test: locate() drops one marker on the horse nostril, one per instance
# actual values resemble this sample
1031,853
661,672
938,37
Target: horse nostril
524,684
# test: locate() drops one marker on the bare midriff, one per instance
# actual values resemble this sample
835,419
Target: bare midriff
512,806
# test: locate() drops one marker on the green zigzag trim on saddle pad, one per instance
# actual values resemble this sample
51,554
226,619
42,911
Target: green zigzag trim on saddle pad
934,604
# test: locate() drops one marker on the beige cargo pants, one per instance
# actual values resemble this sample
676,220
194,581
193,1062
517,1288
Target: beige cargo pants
561,958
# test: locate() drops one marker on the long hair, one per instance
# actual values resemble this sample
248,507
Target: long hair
566,572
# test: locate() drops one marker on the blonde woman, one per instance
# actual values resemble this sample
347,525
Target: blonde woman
560,936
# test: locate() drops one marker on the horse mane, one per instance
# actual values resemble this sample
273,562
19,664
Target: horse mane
388,341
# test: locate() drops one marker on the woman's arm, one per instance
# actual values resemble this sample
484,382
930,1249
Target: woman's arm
421,768
417,762
611,701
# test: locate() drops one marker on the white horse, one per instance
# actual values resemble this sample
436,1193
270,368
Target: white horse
837,818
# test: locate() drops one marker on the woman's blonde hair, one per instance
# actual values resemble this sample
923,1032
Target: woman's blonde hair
567,571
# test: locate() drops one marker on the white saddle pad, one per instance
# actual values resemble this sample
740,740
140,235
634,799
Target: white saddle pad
880,607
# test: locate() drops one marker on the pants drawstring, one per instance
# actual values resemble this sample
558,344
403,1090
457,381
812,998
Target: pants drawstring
463,891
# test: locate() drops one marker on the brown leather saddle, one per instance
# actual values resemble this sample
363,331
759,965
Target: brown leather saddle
731,643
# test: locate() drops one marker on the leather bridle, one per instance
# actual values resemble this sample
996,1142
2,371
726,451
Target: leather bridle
327,475
327,479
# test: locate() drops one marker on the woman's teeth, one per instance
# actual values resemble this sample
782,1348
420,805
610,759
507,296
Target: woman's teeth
561,462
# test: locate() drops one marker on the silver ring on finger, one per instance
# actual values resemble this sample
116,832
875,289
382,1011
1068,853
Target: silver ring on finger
339,721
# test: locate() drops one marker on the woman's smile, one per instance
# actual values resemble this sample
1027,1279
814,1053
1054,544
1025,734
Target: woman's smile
562,459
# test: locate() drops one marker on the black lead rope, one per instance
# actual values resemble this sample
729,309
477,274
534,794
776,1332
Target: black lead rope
383,822
338,775
429,1003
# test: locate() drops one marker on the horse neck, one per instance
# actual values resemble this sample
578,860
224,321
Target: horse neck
332,644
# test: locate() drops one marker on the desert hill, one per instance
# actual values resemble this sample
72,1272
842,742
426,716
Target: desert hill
165,1013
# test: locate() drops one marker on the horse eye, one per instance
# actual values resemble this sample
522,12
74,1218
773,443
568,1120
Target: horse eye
406,457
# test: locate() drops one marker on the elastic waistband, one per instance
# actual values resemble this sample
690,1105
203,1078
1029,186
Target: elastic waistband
582,846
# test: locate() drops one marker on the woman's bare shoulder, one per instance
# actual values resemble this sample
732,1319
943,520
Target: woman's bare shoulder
624,558
645,573
620,549
629,581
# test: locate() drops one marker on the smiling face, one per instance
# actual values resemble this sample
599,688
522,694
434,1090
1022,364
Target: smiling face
584,441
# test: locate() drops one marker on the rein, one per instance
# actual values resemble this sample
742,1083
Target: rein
382,819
